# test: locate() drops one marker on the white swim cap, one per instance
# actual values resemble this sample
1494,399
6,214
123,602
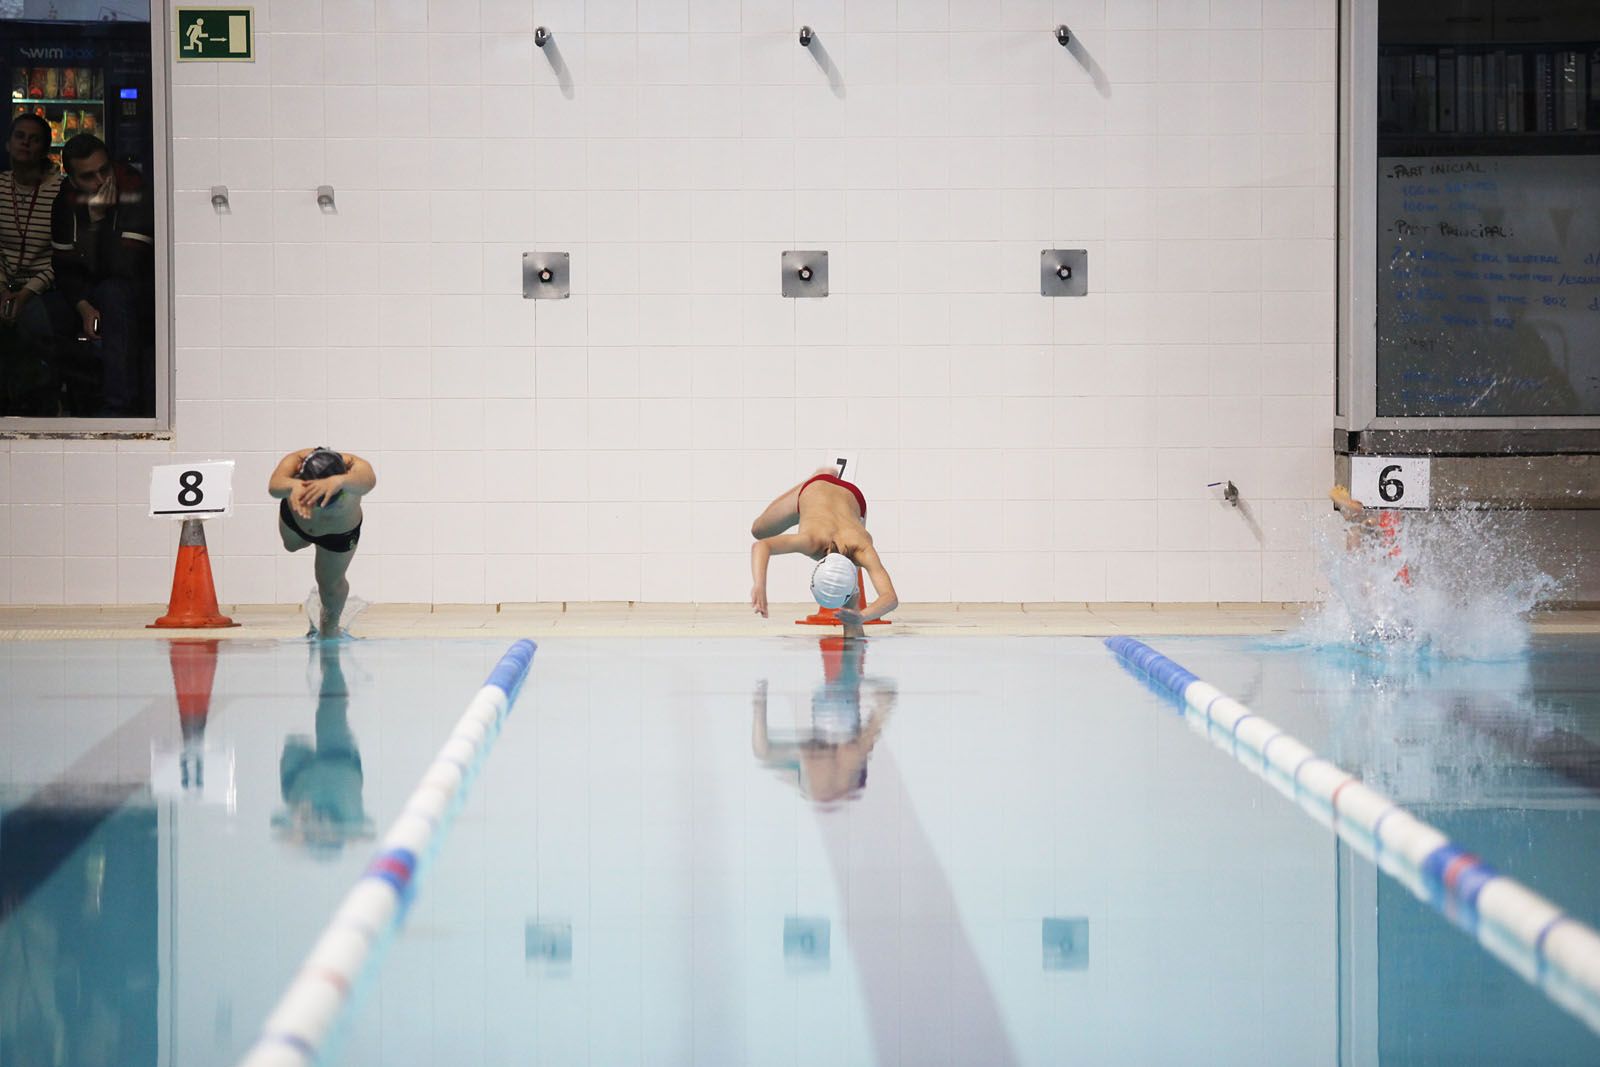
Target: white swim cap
834,580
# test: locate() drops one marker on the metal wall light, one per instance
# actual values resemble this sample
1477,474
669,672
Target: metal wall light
805,274
546,275
1063,272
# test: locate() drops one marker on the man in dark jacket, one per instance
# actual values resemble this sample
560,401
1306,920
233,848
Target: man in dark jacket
102,231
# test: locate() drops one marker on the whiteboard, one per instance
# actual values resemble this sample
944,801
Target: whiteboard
1488,285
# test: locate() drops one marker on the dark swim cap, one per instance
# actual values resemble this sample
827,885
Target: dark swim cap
322,463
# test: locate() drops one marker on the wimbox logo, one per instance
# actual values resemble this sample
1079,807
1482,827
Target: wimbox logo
38,52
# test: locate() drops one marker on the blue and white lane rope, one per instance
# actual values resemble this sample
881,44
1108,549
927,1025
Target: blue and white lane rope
1529,934
299,1027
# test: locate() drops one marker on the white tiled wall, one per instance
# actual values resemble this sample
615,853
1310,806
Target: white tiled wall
616,445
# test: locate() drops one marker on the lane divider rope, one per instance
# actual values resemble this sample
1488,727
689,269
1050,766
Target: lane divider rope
318,996
1547,947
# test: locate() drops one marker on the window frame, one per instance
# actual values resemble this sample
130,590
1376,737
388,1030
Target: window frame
1356,406
161,425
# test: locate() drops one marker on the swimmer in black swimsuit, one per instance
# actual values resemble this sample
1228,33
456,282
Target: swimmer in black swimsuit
321,493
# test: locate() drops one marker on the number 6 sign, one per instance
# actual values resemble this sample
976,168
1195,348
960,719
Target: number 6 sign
192,490
1390,481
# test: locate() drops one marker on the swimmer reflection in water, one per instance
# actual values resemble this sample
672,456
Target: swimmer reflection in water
828,762
321,777
319,493
831,514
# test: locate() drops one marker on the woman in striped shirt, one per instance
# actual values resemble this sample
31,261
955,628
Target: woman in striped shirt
27,193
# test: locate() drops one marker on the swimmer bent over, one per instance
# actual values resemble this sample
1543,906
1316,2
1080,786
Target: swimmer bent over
830,513
320,493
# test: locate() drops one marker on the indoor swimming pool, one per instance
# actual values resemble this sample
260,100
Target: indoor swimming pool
780,851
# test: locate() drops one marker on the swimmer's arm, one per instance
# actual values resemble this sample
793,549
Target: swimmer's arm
887,601
1352,509
357,480
283,482
359,477
760,553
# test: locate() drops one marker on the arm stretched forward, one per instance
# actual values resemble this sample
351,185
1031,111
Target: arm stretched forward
760,553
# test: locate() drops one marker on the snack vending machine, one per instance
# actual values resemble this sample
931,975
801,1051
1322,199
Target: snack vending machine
83,78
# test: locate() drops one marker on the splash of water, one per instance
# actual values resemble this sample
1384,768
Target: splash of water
353,607
1458,583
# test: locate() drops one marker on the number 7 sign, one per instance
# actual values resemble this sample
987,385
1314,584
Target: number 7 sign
192,490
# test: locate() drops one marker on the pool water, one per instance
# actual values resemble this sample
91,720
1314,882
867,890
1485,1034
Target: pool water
779,851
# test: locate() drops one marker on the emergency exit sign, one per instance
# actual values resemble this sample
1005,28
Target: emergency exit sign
216,33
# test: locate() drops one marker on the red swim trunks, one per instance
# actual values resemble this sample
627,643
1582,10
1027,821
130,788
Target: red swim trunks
1389,529
841,483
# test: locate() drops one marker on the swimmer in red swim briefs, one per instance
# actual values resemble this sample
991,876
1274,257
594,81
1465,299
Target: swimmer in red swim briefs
319,492
831,515
1365,522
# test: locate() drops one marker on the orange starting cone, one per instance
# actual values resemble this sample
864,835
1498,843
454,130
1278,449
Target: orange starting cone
193,604
830,616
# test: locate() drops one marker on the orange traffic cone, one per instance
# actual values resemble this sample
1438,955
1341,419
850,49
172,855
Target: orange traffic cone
193,604
830,616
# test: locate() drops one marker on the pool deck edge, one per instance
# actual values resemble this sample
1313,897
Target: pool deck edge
615,619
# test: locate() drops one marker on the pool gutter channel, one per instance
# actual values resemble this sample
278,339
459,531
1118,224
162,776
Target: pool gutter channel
1532,936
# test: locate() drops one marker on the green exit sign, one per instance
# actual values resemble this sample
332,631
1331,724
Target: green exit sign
216,33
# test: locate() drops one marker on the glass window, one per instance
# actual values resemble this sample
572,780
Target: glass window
82,182
1488,208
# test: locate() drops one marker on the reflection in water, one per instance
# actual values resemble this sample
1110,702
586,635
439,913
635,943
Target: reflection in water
1498,761
78,936
1427,730
828,758
321,777
952,1012
194,669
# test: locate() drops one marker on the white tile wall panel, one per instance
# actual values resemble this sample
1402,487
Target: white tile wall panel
615,445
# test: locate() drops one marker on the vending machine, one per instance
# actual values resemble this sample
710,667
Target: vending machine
84,77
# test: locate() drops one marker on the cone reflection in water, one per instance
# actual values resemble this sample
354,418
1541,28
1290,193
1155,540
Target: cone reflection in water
194,668
193,604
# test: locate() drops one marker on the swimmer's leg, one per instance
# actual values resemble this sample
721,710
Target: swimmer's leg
332,587
781,514
291,540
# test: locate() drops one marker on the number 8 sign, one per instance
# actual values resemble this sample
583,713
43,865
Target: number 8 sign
192,490
1390,481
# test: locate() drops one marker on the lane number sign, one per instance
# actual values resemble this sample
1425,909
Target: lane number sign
1390,481
192,490
843,464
